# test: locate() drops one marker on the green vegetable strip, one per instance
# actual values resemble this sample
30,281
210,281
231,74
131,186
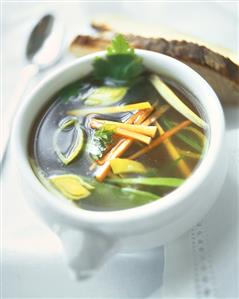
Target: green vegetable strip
113,109
188,140
175,102
148,195
128,196
167,182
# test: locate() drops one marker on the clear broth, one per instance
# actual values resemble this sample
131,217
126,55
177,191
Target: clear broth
158,161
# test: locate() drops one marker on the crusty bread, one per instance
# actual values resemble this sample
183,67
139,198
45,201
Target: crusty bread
220,72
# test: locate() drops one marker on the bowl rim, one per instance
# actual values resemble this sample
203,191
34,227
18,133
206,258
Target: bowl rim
157,207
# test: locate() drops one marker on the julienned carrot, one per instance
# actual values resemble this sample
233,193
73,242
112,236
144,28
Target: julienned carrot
114,153
123,132
136,118
121,146
133,135
142,129
172,151
160,139
154,116
139,116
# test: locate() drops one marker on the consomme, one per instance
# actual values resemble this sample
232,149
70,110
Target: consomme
107,147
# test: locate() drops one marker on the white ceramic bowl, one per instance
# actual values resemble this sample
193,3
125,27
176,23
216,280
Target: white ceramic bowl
88,237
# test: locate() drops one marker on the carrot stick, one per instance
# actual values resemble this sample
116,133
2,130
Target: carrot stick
133,135
154,116
140,116
121,146
160,139
119,150
124,132
136,118
142,129
183,167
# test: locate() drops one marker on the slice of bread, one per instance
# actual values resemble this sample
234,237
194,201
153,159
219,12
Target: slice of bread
221,72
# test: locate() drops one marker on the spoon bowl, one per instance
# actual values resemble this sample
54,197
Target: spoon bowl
44,46
44,49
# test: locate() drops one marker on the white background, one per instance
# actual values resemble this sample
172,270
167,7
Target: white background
32,265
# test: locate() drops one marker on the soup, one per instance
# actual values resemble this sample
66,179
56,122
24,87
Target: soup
107,142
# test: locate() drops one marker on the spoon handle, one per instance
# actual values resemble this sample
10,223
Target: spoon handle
9,111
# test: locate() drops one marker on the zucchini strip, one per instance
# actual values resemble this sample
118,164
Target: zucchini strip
110,110
142,129
158,181
175,102
172,151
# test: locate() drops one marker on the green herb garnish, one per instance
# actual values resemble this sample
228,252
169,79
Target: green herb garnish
121,64
101,139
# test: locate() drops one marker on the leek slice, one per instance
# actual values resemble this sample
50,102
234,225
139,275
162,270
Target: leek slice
71,186
77,143
110,110
167,182
67,122
119,165
175,102
106,95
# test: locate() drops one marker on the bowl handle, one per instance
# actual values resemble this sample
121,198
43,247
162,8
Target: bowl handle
86,251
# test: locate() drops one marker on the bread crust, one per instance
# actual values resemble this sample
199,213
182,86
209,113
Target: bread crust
216,69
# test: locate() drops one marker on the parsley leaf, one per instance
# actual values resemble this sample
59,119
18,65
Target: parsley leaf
120,64
120,46
101,139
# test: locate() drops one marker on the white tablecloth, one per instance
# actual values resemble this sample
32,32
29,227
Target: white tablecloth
201,263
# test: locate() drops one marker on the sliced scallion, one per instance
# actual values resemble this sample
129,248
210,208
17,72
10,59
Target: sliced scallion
106,95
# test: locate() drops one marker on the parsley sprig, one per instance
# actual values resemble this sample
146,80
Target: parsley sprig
121,64
101,139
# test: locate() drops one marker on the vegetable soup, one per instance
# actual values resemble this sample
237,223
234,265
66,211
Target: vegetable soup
119,138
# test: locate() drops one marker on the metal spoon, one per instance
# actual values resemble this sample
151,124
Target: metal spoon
44,48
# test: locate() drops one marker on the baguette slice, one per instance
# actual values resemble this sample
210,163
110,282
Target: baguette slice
220,72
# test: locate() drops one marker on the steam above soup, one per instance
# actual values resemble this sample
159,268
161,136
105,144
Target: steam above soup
119,138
